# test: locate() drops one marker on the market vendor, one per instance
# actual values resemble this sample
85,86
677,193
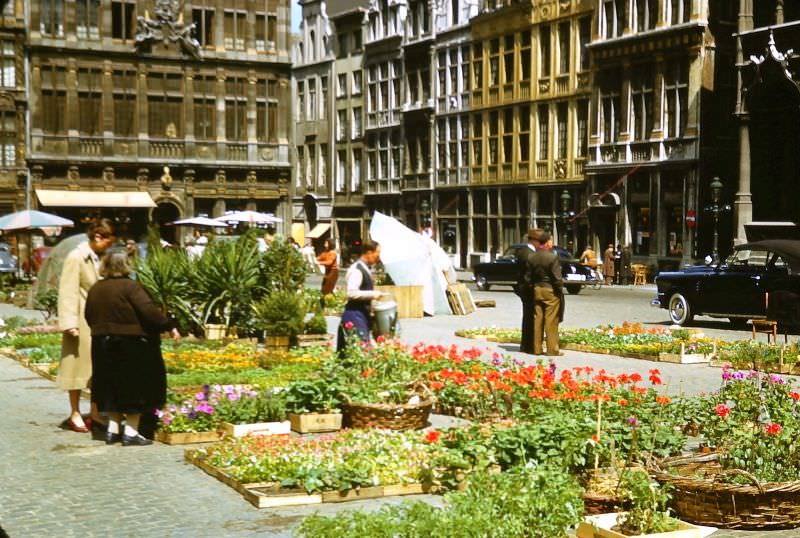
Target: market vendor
360,293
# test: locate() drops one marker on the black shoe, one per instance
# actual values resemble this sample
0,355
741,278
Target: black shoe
136,440
112,438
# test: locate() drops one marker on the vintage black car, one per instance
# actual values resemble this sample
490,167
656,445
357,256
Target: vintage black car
504,270
736,288
8,262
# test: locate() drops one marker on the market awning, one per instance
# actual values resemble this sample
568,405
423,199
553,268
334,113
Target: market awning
52,198
318,230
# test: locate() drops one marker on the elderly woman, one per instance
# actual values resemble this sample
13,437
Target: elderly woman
128,374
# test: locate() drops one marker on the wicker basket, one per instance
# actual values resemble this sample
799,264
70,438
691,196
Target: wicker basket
708,501
398,417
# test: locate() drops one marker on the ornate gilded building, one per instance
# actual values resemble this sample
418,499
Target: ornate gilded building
662,124
13,107
186,101
768,113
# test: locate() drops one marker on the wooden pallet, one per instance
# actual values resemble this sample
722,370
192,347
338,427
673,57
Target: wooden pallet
460,299
186,438
271,495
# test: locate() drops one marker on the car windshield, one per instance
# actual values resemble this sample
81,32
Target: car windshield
750,258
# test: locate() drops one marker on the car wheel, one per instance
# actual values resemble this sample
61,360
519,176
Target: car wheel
482,284
680,312
573,290
738,324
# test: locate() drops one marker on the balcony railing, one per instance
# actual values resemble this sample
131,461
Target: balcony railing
522,172
508,92
91,146
493,96
542,171
383,118
578,165
506,170
167,149
237,152
641,151
562,84
477,98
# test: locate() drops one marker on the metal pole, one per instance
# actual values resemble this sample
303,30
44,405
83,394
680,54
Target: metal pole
715,253
26,72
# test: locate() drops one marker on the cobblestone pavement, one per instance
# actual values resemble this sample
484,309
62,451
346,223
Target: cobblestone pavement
59,483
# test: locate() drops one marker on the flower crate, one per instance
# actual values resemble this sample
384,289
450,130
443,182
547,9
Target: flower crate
687,358
315,422
310,340
601,526
215,331
399,417
186,438
260,428
276,342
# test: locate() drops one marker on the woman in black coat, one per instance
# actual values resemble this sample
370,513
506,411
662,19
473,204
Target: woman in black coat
128,374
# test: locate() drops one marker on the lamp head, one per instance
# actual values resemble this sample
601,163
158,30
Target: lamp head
566,199
716,190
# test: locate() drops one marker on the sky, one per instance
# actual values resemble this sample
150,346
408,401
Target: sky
296,14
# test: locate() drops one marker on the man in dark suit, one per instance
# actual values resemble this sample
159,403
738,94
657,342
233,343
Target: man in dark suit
524,289
545,275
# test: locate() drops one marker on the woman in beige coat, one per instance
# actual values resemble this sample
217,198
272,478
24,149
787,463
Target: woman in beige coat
80,272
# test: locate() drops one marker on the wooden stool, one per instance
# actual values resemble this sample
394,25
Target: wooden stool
768,327
639,274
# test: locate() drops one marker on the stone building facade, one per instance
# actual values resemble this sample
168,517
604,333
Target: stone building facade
189,102
13,108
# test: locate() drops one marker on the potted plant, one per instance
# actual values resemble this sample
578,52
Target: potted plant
313,405
647,514
316,331
280,315
264,414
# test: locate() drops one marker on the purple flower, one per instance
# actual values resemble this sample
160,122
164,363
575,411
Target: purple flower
192,415
205,388
633,422
776,379
200,396
166,419
519,362
497,361
552,367
233,397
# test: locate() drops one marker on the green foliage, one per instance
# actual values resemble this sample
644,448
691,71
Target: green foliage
33,340
647,512
266,407
317,324
318,395
526,503
164,273
47,301
280,313
284,268
15,322
280,376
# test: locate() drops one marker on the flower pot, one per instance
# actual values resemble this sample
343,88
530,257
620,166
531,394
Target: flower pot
600,526
315,422
259,428
215,331
276,342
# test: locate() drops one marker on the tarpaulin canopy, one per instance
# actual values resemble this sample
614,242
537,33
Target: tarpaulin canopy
130,199
32,220
252,217
202,222
412,259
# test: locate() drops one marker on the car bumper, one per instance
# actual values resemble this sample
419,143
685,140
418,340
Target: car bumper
656,303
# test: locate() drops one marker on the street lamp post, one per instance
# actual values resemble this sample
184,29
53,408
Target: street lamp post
716,209
566,216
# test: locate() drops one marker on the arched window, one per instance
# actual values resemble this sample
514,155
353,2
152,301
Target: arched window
312,46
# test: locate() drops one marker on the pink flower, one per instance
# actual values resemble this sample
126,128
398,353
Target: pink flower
723,410
200,396
348,325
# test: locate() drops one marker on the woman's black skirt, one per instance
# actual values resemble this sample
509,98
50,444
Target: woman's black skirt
128,374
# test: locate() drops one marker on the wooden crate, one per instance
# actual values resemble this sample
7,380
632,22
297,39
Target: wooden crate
315,422
261,428
409,300
188,438
460,299
687,358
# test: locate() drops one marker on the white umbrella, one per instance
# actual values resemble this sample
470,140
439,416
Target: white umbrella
201,221
409,260
252,217
32,220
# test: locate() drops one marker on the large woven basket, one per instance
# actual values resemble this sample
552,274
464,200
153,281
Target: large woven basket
700,496
398,417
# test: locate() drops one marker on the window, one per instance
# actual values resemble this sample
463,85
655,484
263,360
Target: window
610,106
341,171
8,65
324,98
266,29
508,59
51,18
123,20
465,68
342,49
86,19
441,73
124,84
477,140
676,97
584,36
236,108
235,28
494,128
341,85
312,99
311,165
525,55
8,138
203,19
544,51
524,133
355,176
452,142
464,140
563,47
679,11
357,82
477,66
358,128
301,167
561,125
582,111
494,63
205,106
341,125
441,143
54,100
642,103
613,18
90,97
322,181
455,9
453,72
508,135
9,10
646,15
544,132
357,40
165,105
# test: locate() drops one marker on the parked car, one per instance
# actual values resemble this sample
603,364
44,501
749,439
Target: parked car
504,270
8,262
736,288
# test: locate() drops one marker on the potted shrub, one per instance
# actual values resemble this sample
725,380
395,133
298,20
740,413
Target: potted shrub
264,414
280,315
313,406
316,331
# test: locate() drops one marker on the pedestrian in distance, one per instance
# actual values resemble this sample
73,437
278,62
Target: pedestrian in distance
589,257
625,265
129,377
79,274
545,274
608,264
360,294
618,264
524,290
328,260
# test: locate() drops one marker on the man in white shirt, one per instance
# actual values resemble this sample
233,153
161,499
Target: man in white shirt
360,293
